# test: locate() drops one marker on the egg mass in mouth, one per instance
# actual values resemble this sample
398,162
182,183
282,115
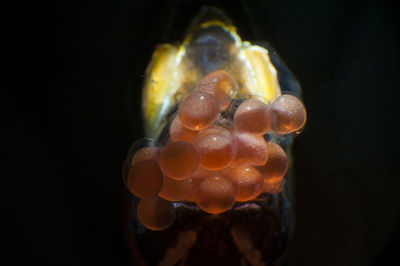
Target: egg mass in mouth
218,156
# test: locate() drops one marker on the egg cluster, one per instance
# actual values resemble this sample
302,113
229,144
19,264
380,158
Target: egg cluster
211,158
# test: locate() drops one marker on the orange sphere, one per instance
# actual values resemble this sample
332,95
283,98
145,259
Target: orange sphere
273,185
248,180
145,179
252,116
216,147
250,149
179,132
277,164
219,84
216,194
146,153
192,195
202,173
287,114
198,110
198,177
155,213
176,190
179,160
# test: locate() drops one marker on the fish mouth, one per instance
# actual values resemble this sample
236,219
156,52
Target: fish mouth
263,201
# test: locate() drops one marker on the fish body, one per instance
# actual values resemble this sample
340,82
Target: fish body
251,233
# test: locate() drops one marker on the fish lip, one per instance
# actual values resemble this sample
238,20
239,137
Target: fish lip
255,204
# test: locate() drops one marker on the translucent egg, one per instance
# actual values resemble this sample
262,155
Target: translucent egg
176,190
145,178
179,132
248,180
155,213
179,160
250,149
277,164
216,147
219,84
287,114
216,194
273,185
146,153
202,173
198,177
141,149
252,116
198,110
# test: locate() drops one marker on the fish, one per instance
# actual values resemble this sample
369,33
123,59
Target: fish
255,232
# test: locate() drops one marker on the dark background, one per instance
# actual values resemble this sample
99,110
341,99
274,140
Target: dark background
71,77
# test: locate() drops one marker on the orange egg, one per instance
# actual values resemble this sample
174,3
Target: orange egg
145,179
179,132
155,213
248,180
198,177
192,195
287,114
202,173
216,147
252,116
176,190
250,149
146,153
179,160
273,185
216,194
219,84
198,110
277,164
